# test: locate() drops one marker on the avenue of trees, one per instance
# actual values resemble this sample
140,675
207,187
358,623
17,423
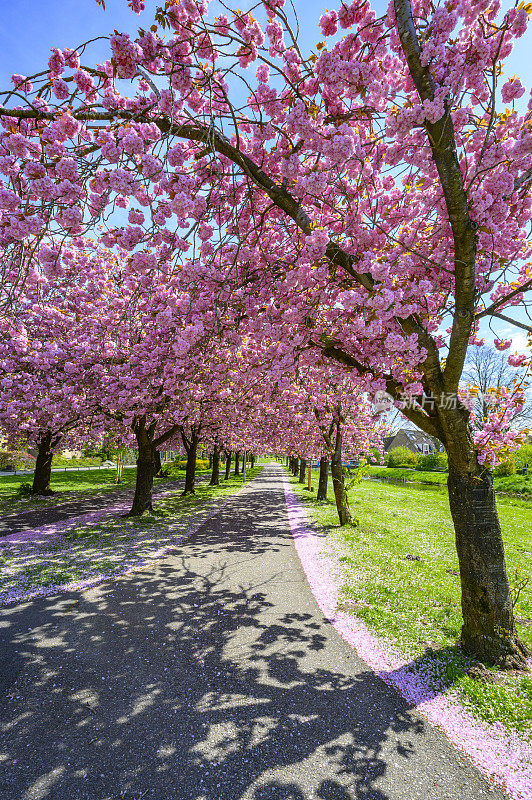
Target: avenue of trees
213,235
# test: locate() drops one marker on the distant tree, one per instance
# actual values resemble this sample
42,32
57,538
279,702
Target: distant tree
488,373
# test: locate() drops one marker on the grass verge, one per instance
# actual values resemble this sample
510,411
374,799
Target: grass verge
68,486
400,575
512,484
108,547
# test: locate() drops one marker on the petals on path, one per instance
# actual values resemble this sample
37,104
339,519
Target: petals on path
174,534
505,757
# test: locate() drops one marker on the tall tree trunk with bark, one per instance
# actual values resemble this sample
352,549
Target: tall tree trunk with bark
215,476
227,465
324,477
237,462
488,630
142,500
252,459
340,494
302,468
295,467
191,448
159,472
43,465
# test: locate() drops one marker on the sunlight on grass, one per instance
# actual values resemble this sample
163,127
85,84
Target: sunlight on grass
68,486
108,547
401,577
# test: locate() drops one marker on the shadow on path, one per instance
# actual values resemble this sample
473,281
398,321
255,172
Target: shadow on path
209,676
49,515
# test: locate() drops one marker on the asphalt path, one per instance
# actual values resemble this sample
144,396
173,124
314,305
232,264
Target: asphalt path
211,675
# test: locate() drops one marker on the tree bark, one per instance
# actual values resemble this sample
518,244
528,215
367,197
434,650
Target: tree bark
142,500
227,465
43,465
159,472
324,477
237,462
295,467
488,630
215,476
302,468
252,460
191,447
340,494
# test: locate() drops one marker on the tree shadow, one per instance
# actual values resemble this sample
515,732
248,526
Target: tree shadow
209,676
50,515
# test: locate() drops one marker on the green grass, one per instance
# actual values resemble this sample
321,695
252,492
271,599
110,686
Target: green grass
512,484
415,604
61,461
404,473
107,546
67,486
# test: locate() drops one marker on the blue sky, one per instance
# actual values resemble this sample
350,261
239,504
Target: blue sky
30,28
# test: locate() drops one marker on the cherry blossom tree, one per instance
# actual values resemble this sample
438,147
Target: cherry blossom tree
52,348
372,193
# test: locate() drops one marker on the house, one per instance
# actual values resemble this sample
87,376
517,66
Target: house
413,439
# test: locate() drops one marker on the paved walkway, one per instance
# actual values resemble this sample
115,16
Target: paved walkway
49,515
212,675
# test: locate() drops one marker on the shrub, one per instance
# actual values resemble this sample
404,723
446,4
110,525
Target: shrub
374,456
24,490
179,464
62,461
523,456
16,459
432,462
401,457
504,469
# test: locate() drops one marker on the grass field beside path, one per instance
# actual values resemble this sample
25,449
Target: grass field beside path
107,547
69,486
511,484
401,577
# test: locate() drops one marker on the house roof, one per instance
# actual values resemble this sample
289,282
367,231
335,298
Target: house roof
416,438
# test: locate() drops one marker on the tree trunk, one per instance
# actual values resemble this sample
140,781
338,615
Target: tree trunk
295,467
237,462
227,466
142,501
159,472
215,477
340,494
252,460
324,477
488,630
210,460
43,466
302,468
190,474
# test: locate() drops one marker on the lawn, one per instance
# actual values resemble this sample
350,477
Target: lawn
67,486
108,547
401,578
512,484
